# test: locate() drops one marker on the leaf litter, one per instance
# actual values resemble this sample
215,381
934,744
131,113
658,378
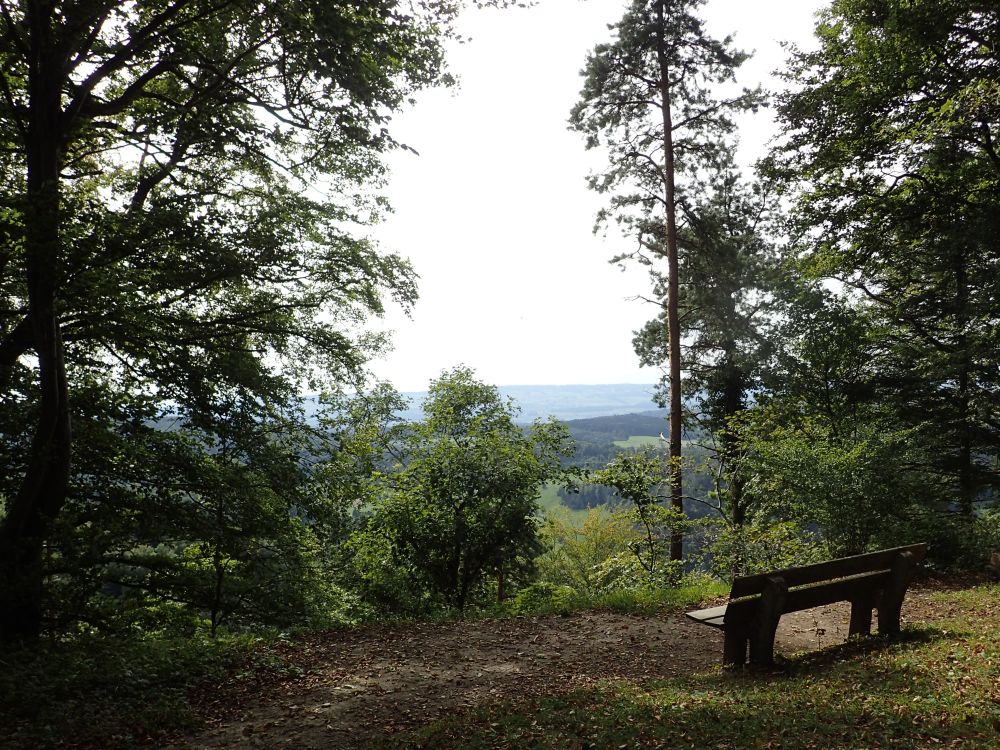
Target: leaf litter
348,688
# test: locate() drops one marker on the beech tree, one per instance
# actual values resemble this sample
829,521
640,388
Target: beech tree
179,182
650,99
891,132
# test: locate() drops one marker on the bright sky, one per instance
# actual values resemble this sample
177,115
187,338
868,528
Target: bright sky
495,214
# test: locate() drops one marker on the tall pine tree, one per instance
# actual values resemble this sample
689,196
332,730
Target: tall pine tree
649,100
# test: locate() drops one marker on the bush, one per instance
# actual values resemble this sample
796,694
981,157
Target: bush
544,597
859,490
576,555
757,547
956,542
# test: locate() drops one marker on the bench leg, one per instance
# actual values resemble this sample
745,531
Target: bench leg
772,604
734,650
892,596
861,616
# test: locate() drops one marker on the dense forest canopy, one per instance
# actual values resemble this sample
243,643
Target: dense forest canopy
837,313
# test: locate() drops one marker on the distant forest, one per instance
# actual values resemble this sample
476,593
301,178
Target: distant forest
597,441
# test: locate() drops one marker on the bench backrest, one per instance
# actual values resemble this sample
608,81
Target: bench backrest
826,571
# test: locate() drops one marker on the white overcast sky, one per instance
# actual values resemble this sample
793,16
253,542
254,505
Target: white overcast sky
495,214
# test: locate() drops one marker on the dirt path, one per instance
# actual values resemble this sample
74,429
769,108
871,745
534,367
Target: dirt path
366,683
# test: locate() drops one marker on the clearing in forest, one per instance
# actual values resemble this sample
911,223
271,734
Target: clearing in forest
361,687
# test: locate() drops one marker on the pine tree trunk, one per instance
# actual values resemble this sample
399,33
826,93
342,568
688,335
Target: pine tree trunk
966,480
673,320
733,404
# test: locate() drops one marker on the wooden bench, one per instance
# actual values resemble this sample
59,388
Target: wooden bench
877,580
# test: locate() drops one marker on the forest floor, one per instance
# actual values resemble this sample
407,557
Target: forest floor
357,687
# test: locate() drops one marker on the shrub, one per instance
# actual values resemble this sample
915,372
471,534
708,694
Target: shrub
543,597
759,546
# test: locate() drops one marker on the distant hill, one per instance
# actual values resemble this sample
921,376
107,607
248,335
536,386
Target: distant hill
622,426
565,402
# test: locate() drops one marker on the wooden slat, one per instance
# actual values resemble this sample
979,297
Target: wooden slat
824,571
843,590
714,616
807,597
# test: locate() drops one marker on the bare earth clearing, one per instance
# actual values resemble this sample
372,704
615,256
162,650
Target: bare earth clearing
362,684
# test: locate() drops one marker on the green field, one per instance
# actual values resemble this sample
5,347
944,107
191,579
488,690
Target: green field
639,441
549,501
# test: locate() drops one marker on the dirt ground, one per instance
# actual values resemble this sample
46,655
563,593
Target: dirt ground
362,684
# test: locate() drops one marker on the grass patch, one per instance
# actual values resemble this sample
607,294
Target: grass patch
102,692
932,687
639,441
549,501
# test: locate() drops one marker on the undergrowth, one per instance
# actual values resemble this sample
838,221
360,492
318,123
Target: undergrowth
103,692
546,598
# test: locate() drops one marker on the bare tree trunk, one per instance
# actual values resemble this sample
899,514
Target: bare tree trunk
966,483
220,575
43,491
673,320
732,405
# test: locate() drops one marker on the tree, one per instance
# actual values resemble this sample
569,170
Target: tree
891,133
728,278
648,99
637,477
463,506
582,555
165,249
859,489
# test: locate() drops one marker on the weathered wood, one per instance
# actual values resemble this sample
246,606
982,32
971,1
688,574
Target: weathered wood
861,614
891,603
712,616
765,623
874,580
825,571
734,648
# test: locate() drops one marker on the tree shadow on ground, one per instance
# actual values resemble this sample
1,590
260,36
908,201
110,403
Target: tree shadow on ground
856,647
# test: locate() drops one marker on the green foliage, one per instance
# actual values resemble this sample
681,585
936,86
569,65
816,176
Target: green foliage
544,598
890,131
759,546
988,530
113,692
236,532
956,542
687,592
857,488
651,99
638,479
620,548
576,554
463,506
181,244
619,107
